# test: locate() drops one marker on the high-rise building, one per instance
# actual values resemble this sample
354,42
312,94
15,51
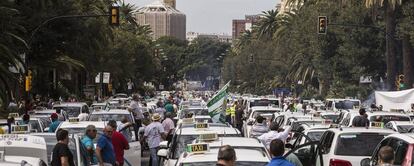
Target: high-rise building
163,19
246,24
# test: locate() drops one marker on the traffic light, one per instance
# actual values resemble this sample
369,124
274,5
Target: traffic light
401,85
114,15
251,58
322,25
28,81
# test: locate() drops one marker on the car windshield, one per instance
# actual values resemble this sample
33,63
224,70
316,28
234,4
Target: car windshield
358,144
386,118
80,130
107,117
71,111
264,102
238,163
35,125
346,104
263,113
315,135
194,111
404,128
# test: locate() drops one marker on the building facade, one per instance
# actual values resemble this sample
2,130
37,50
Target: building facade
163,19
242,25
219,37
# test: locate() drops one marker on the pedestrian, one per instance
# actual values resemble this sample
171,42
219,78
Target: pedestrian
259,127
153,134
238,119
10,122
169,106
160,110
277,149
130,85
361,120
123,128
119,142
25,120
55,122
134,107
104,149
83,116
87,141
169,126
386,156
274,134
61,155
226,156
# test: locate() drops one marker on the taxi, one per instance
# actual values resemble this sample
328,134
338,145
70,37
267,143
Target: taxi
308,133
22,149
287,118
262,102
342,104
132,155
348,146
72,109
36,124
185,134
400,126
99,106
112,114
265,112
377,116
403,146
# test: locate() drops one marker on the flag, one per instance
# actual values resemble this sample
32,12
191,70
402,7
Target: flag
217,105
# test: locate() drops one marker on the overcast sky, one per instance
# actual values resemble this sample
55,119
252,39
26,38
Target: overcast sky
215,16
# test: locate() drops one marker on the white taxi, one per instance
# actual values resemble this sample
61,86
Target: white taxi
265,112
22,149
36,124
72,109
112,114
308,133
400,126
403,146
287,118
185,134
348,146
377,116
132,155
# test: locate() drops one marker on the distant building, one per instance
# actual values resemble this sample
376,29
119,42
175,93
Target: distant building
278,6
163,19
242,25
220,37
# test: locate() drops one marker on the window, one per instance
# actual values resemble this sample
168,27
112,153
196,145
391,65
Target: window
357,144
326,142
375,157
400,148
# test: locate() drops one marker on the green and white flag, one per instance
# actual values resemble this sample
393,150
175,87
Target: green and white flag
217,105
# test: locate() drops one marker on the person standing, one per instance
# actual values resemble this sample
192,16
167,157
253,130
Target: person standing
134,107
87,141
55,122
104,148
277,149
61,155
130,87
226,156
274,133
160,110
361,120
153,134
168,125
10,122
169,106
119,143
123,128
258,128
238,119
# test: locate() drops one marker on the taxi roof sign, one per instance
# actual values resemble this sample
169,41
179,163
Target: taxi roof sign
197,148
187,121
377,124
327,121
208,137
201,125
14,115
20,129
73,120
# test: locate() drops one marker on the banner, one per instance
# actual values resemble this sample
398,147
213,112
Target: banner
395,99
217,105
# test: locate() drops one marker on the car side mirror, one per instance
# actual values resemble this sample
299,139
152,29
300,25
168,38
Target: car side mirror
162,153
46,129
289,146
366,162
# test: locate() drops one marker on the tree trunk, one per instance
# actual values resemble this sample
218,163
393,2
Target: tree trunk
390,47
408,61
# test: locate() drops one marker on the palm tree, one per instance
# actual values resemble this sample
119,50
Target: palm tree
268,24
390,25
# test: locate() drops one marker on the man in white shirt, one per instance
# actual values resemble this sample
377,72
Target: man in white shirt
134,107
267,138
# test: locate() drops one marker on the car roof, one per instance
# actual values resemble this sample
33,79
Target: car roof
75,104
99,104
17,160
45,111
265,108
408,137
22,140
237,142
360,130
401,122
211,129
264,98
251,155
82,124
111,111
